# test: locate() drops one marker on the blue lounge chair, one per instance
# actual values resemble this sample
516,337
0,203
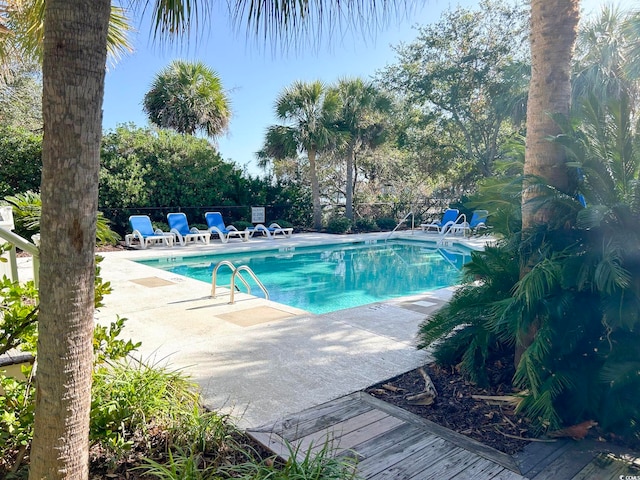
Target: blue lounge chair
271,231
225,232
478,221
143,231
449,219
180,227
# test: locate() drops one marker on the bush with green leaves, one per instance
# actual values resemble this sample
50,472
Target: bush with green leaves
386,223
363,225
18,331
578,301
583,302
465,332
21,165
144,167
339,225
18,398
18,316
130,397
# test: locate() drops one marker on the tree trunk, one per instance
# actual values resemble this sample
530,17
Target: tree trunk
315,189
554,26
351,154
73,85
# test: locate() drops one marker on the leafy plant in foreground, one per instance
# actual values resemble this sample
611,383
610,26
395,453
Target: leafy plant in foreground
313,463
469,331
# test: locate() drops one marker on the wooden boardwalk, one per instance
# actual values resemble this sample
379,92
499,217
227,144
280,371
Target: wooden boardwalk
391,443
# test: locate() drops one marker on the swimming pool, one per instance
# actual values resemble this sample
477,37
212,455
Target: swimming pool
333,277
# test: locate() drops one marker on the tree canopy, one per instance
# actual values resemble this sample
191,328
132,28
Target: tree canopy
189,98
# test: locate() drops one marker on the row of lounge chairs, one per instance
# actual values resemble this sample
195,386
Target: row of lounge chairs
180,232
456,224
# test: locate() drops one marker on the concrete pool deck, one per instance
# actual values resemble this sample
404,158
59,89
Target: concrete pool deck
258,360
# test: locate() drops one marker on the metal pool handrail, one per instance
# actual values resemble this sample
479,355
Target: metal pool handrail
235,273
404,219
16,240
245,268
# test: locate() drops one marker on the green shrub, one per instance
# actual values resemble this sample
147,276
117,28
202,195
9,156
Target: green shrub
242,224
386,223
364,225
17,405
339,225
18,329
321,465
129,397
164,226
21,165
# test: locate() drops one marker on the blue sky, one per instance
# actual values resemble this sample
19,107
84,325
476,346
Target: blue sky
254,75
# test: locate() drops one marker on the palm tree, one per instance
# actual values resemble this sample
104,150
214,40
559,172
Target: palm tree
554,26
553,35
188,97
362,109
23,23
309,112
74,59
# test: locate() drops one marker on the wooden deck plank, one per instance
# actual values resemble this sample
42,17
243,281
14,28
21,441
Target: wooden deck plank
605,467
398,453
536,456
419,462
397,438
318,418
388,442
333,434
566,465
449,465
482,468
458,439
372,432
273,442
507,474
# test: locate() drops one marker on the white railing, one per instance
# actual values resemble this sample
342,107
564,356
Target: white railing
235,273
404,219
16,240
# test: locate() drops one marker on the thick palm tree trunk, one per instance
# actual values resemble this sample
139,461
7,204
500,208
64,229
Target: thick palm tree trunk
315,190
73,82
554,26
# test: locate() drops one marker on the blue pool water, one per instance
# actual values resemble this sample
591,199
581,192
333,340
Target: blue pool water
333,277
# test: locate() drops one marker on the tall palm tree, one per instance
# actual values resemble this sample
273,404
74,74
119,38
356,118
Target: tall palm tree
362,109
75,53
23,23
554,25
553,35
308,111
188,97
74,59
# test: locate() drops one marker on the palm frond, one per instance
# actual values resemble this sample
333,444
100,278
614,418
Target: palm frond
25,20
543,278
286,23
610,274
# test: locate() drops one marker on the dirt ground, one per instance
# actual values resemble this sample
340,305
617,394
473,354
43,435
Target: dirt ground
493,423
